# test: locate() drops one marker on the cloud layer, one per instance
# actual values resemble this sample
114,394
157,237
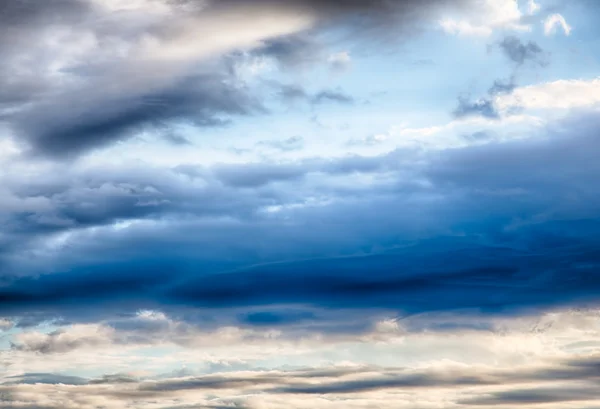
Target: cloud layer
280,204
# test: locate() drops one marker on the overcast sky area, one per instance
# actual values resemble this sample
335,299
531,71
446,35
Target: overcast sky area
299,204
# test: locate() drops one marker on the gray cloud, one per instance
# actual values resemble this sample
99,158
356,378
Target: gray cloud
478,136
108,97
520,53
516,51
332,96
189,216
202,100
291,93
296,51
114,379
501,86
290,144
296,93
473,381
368,13
536,396
483,107
44,378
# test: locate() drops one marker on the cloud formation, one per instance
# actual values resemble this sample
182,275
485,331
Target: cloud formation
259,196
141,68
472,383
263,204
520,52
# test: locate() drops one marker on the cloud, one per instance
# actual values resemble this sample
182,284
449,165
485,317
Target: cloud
340,61
199,100
535,396
62,341
421,271
331,96
296,93
520,53
487,16
482,107
532,7
106,107
294,51
5,324
175,139
290,144
490,107
141,68
556,20
501,86
329,384
560,94
421,356
44,378
291,93
480,188
267,318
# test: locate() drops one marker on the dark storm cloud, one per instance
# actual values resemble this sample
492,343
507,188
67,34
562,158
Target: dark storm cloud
201,101
276,318
502,262
502,280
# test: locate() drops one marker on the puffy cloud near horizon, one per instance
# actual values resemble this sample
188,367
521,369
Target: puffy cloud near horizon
549,358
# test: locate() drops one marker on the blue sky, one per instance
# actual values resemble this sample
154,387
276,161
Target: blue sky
272,204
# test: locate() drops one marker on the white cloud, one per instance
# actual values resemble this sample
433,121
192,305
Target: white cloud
247,369
457,133
556,20
452,26
487,16
532,7
144,6
561,94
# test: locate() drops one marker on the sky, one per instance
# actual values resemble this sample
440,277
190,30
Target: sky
269,204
